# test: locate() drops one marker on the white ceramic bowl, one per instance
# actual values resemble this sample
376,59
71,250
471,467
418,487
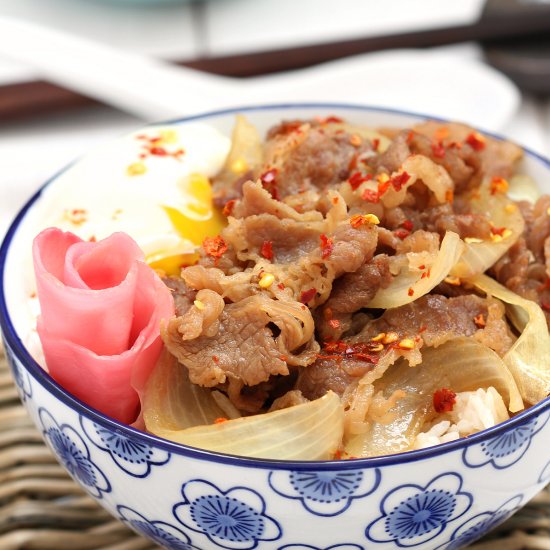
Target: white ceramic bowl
185,498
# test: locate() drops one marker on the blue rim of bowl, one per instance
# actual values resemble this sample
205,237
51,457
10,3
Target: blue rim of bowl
47,382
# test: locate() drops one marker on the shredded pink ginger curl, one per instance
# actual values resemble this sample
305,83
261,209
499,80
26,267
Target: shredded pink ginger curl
101,310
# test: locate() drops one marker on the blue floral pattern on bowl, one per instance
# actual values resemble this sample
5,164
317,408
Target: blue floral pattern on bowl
506,448
325,493
162,533
21,377
73,453
412,515
131,455
234,519
478,525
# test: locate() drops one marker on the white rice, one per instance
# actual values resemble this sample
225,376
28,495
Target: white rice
472,412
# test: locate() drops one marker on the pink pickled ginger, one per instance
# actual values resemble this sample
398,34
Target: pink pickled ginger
101,309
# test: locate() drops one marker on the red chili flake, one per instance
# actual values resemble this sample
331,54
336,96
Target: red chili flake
220,420
357,178
442,133
214,246
267,250
331,120
337,455
228,208
370,195
281,286
475,141
335,200
269,183
449,196
499,185
479,320
158,151
357,220
422,266
422,329
334,323
364,351
283,358
383,186
375,144
308,295
399,180
498,230
444,400
408,225
215,359
410,292
326,246
401,233
438,150
410,137
289,127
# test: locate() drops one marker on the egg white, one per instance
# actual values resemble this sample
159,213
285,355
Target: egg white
106,198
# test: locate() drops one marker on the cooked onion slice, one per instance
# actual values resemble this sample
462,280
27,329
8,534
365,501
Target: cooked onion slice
246,152
419,167
528,359
171,402
508,226
462,364
412,283
172,405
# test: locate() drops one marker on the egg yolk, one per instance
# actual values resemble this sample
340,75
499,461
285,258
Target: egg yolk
200,220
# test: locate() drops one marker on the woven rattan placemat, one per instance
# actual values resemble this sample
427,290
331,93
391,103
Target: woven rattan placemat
42,508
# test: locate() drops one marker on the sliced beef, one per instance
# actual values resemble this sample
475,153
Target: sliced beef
525,268
255,338
243,348
350,293
443,218
434,318
183,295
487,156
330,375
315,158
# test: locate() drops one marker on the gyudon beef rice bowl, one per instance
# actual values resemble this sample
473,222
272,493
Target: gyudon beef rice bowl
364,292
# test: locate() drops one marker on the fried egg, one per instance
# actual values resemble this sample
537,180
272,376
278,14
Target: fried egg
153,184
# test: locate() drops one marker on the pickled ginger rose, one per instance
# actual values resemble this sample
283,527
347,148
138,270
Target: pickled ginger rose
101,310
